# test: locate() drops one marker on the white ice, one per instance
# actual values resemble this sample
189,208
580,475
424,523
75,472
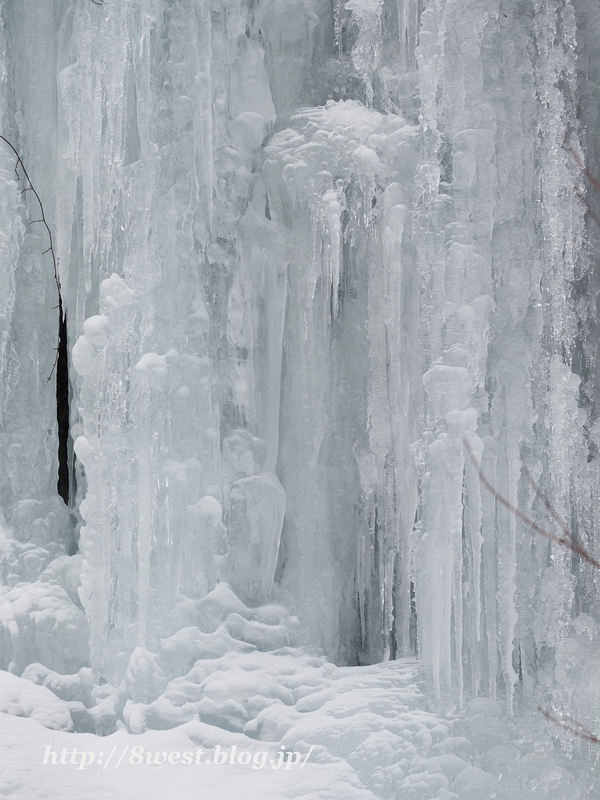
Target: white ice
321,263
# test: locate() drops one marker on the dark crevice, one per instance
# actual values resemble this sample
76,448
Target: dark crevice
62,407
61,360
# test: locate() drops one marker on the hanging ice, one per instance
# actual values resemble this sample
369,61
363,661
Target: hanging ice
322,264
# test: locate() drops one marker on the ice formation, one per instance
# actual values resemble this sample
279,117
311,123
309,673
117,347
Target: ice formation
312,256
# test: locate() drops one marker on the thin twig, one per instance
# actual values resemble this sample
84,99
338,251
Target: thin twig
30,188
595,183
574,727
566,541
546,500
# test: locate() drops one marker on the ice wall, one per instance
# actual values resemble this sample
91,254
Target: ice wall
311,255
499,260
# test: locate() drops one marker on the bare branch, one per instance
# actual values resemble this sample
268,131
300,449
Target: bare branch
549,507
567,540
574,727
30,188
49,378
595,183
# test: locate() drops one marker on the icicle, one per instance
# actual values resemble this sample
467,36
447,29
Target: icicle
489,565
332,207
144,545
338,25
514,403
367,48
407,31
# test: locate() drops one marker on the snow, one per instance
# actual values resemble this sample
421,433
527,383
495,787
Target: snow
22,698
364,729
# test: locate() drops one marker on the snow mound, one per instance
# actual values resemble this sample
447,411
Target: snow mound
22,698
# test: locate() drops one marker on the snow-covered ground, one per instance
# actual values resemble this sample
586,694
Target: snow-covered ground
369,734
215,713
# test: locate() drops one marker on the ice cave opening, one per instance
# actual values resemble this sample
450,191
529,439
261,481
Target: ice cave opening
308,452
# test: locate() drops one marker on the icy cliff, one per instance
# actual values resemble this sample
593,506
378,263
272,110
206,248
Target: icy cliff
311,256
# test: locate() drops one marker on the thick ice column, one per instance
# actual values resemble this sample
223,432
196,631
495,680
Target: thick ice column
454,226
314,571
392,393
479,236
366,52
188,274
349,382
456,178
563,251
489,627
566,451
512,405
435,559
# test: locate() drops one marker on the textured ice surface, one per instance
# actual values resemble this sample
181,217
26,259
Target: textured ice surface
308,251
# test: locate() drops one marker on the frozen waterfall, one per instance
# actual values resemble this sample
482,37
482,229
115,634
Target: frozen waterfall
312,255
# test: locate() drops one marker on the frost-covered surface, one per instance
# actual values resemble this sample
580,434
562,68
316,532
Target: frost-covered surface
309,253
369,734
